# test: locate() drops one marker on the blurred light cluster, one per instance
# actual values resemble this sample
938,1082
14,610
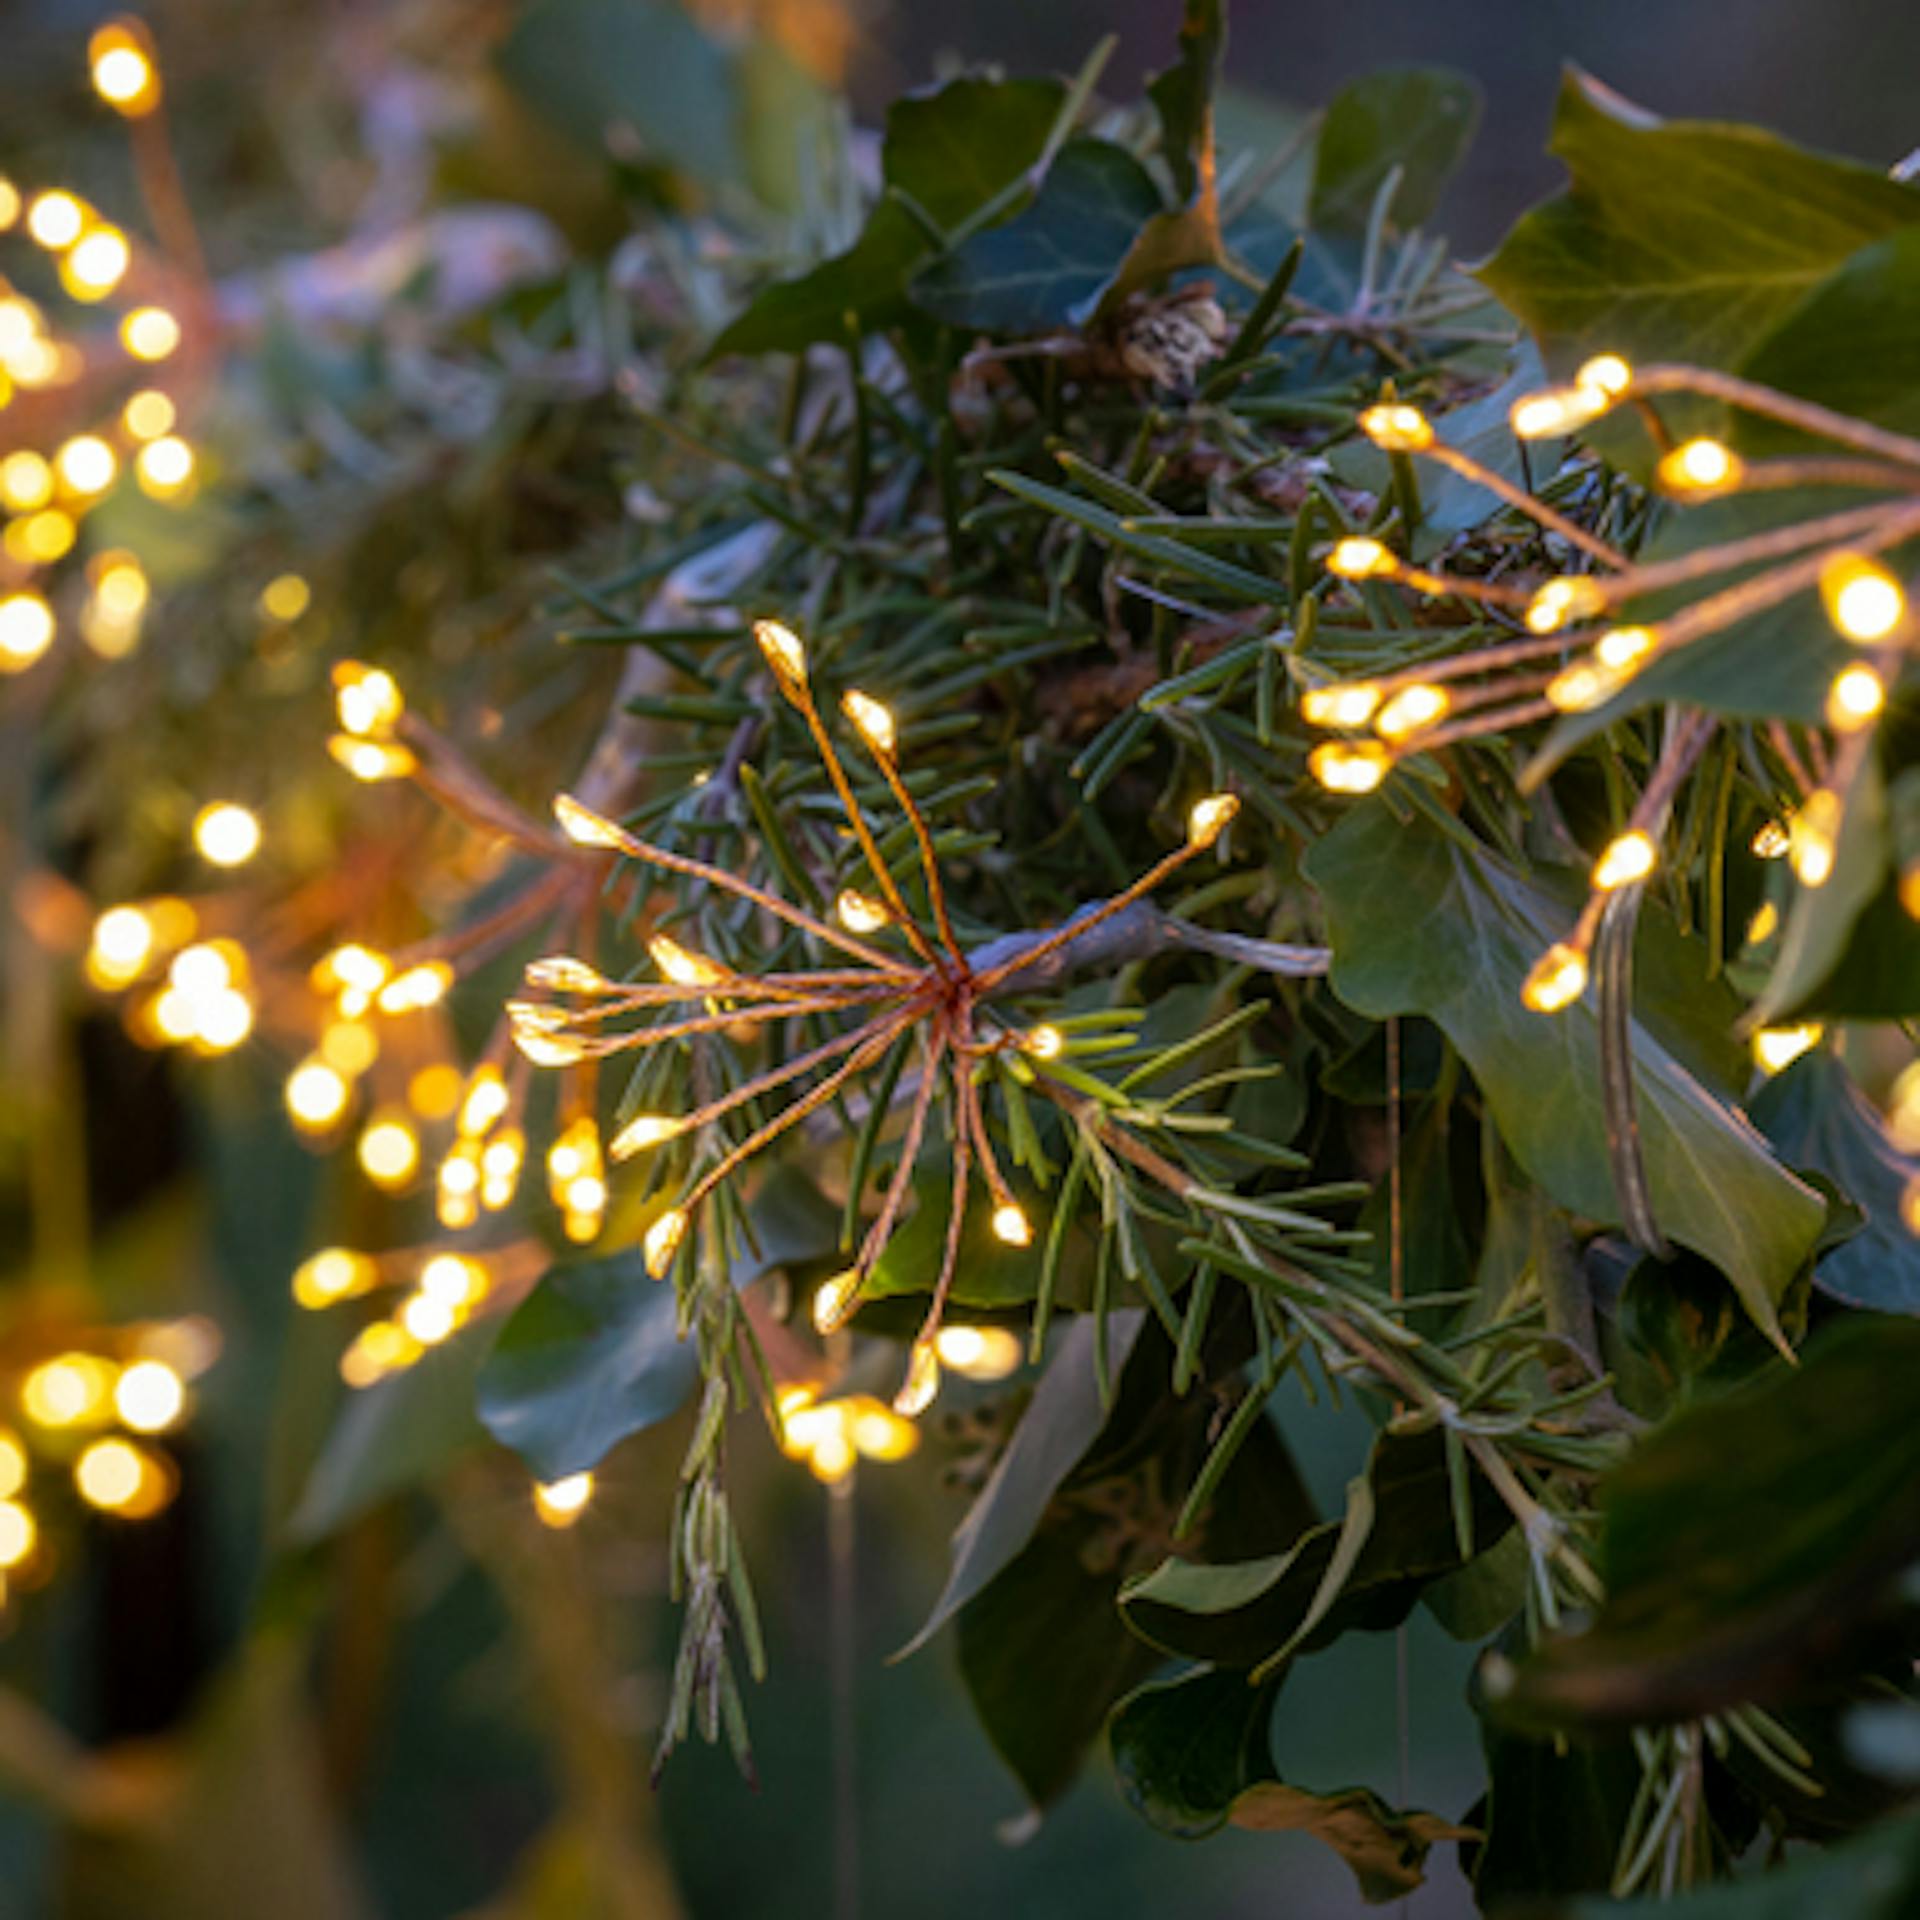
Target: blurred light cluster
85,1425
46,493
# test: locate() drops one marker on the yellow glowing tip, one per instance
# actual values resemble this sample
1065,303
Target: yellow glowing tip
1558,979
1348,704
26,631
389,1150
1360,558
784,654
150,333
120,63
583,826
1397,429
1558,411
1350,767
26,481
1585,685
86,465
1699,466
1044,1043
1854,699
14,1464
834,1299
922,1381
1560,602
372,760
1778,1047
1210,818
683,967
1606,373
149,1397
645,1130
18,1534
877,1432
1864,601
663,1240
316,1095
367,699
71,1390
560,1503
563,973
860,914
226,833
164,467
1412,710
56,220
1629,858
979,1353
1011,1225
873,722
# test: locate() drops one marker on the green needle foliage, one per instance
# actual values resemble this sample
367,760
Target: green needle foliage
1044,445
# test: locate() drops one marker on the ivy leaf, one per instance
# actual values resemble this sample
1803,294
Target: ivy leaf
1419,119
1711,1599
1186,1749
951,151
594,1352
1681,241
1386,1850
1043,1651
1816,1117
1364,1571
615,73
1852,344
1715,1186
1050,266
1554,1814
1061,1421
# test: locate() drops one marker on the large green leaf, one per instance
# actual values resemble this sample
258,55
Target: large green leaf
1186,1749
950,151
1061,1421
593,1354
1816,1117
1685,240
1853,343
1752,1546
1553,1817
1363,1571
1049,266
1715,1186
1043,1650
1873,1877
1419,119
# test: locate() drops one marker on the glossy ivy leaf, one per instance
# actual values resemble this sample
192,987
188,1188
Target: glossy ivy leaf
1061,1421
1186,1749
1051,265
621,75
398,1433
989,1273
1873,1877
1419,119
1817,1117
1682,240
1715,1186
594,1353
950,150
1852,344
1553,1815
1711,1599
1363,1571
1043,1650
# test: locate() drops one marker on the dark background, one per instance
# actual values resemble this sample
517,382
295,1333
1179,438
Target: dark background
1839,74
